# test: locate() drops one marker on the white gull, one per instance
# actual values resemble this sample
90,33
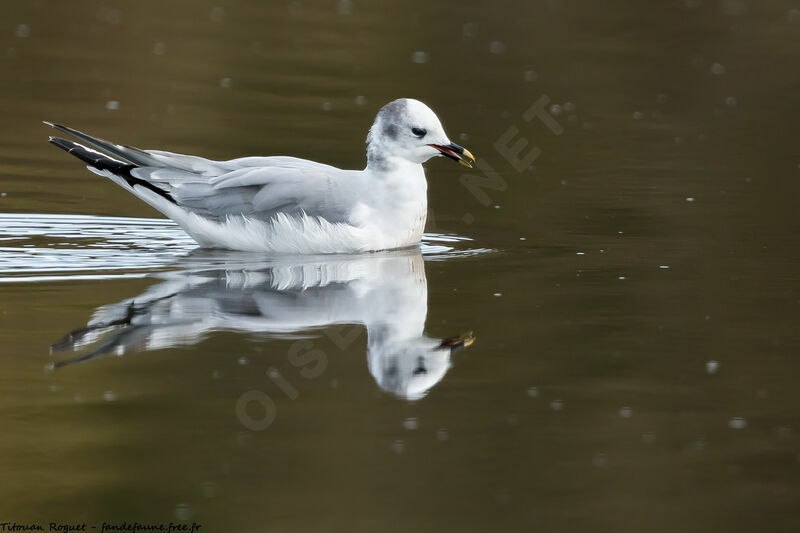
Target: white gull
285,204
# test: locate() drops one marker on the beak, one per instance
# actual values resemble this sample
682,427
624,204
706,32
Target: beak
465,340
456,153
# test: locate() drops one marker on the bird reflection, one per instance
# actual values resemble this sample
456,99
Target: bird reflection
385,292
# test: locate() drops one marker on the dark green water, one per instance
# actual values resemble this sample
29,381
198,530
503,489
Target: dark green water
632,275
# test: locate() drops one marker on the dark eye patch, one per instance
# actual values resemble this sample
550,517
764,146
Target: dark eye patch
419,132
420,370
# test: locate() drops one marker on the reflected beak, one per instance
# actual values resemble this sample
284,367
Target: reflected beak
465,340
456,153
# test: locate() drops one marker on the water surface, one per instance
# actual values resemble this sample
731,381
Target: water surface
629,273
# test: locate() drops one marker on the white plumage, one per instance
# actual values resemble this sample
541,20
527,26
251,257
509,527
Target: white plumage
285,204
386,293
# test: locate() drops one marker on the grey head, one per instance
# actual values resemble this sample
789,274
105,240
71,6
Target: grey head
408,130
409,368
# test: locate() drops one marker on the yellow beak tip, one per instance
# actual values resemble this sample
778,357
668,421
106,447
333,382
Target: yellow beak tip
467,158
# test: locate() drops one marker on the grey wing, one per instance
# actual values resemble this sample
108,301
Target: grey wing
262,187
256,187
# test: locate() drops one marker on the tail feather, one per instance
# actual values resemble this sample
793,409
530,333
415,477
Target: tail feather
129,154
105,163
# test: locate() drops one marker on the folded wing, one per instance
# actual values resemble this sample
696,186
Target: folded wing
255,187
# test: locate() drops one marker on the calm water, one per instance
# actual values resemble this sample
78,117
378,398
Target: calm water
629,275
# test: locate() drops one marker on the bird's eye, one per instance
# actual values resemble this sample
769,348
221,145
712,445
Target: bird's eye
419,132
420,370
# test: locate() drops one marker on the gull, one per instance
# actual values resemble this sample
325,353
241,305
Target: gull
283,204
287,297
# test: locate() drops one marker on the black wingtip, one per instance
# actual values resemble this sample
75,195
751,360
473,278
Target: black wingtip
64,144
103,162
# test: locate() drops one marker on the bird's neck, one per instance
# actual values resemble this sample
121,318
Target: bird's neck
379,160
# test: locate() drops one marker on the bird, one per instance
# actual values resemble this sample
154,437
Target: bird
285,297
283,204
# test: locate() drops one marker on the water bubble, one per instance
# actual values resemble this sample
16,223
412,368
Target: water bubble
419,57
345,7
600,460
712,367
625,412
109,396
159,49
733,7
663,267
580,253
497,47
737,422
112,105
730,101
183,512
410,424
638,115
469,30
502,498
498,294
22,31
243,361
442,434
327,106
569,107
54,388
112,16
216,14
209,489
556,405
216,374
398,446
360,100
530,75
226,83
556,109
718,69
533,392
621,278
690,199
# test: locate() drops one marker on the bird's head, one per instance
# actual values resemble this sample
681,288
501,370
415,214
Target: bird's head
410,130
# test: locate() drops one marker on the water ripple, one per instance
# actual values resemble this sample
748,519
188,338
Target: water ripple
45,247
